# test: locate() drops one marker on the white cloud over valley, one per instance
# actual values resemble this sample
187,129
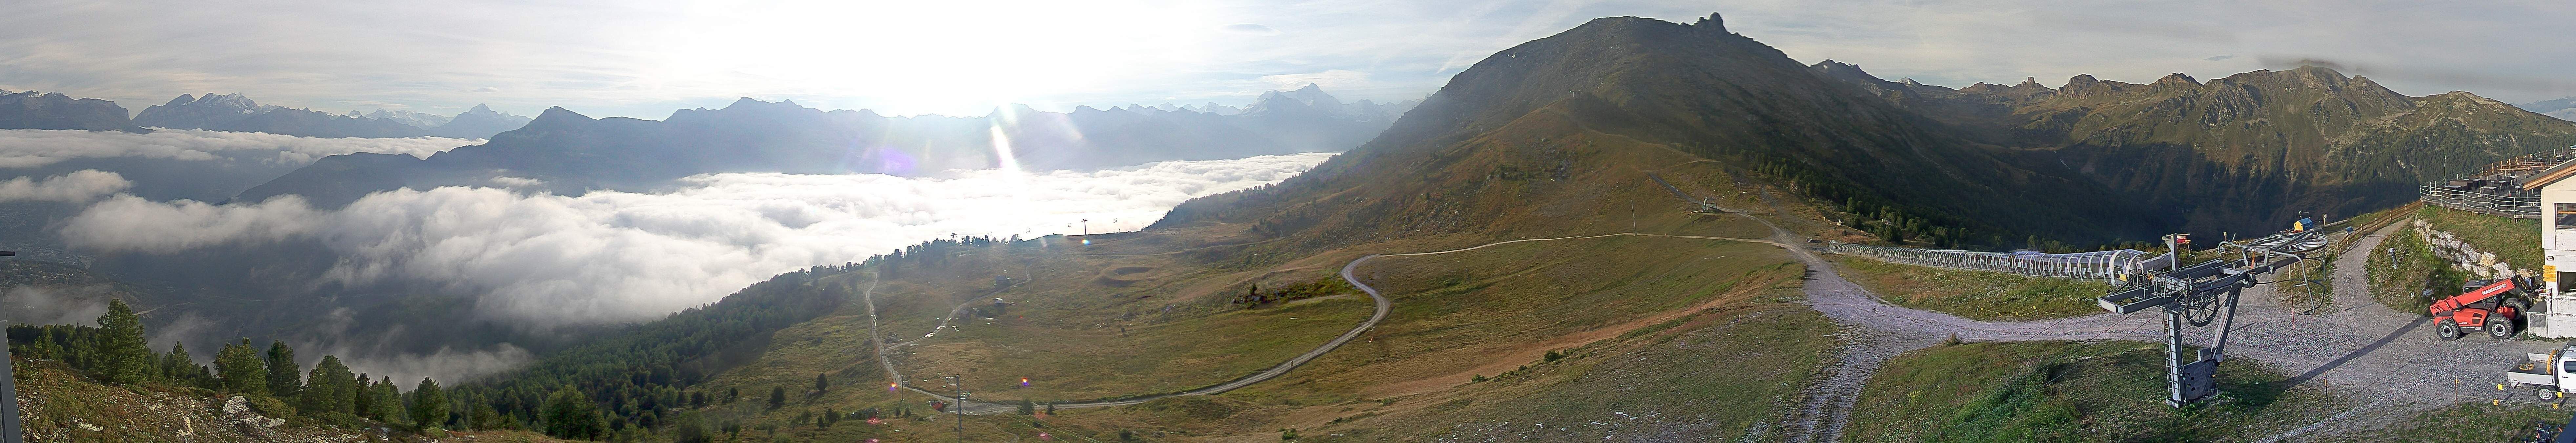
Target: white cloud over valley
25,148
77,187
619,256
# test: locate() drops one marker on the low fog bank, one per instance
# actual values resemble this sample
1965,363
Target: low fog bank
27,148
606,257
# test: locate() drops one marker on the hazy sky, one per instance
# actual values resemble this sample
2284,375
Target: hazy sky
645,58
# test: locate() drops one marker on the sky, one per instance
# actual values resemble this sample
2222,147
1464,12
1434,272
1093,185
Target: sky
645,58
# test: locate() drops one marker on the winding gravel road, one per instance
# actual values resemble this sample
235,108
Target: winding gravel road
2358,349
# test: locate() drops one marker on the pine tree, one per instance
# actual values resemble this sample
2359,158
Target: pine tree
732,394
828,417
121,356
243,370
568,414
428,405
333,388
822,384
176,366
777,397
388,396
362,394
285,378
484,418
1028,407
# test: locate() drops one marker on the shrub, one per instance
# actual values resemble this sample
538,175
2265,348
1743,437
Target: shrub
271,406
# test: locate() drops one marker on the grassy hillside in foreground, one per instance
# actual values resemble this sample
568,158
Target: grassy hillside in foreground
1649,384
2457,423
1457,317
1461,315
2067,391
1148,312
1978,295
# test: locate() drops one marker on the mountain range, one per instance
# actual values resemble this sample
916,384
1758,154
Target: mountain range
570,153
1614,126
234,112
40,110
2563,108
2240,153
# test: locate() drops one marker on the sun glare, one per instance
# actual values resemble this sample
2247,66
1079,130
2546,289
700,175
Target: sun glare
931,57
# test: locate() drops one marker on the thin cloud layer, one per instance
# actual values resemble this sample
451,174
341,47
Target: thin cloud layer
615,256
25,148
54,305
80,186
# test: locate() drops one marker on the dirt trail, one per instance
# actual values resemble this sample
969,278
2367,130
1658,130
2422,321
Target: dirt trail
2360,348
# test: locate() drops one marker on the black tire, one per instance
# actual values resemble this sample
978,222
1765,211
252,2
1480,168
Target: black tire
2518,304
2500,327
2547,394
2448,329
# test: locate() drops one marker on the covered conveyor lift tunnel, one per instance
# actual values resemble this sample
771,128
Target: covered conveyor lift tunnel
2204,293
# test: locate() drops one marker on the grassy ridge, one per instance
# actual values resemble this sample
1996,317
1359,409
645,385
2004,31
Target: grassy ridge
1978,295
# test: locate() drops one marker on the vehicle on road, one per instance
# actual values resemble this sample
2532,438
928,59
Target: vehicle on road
2548,375
2495,306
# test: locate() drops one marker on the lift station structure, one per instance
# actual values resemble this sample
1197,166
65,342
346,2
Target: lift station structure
2205,293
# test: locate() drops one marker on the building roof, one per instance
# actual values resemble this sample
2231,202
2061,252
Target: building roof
2551,175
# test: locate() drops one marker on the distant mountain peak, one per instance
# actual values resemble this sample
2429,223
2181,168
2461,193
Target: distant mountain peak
556,116
753,103
1712,23
1314,94
2177,78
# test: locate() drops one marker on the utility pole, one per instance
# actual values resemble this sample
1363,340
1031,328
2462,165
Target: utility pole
958,382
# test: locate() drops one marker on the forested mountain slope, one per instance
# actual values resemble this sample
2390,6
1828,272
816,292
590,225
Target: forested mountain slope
2242,153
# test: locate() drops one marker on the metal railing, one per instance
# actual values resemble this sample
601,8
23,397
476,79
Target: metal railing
2484,203
2114,266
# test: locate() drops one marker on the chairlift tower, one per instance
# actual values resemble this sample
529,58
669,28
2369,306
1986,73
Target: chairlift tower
2196,296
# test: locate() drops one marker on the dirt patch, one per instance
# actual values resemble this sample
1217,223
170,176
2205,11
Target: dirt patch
1120,277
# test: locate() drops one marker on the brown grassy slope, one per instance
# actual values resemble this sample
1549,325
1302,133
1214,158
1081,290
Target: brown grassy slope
1070,300
1695,88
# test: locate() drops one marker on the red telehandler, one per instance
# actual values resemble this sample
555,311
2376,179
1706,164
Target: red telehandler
2494,306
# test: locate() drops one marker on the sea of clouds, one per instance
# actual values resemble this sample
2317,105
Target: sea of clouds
26,148
618,256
